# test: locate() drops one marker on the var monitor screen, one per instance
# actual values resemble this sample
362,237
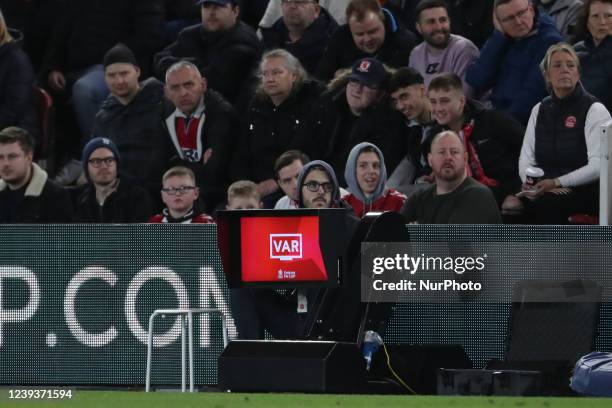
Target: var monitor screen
282,248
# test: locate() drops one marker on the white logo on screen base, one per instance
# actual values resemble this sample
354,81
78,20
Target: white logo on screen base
285,247
286,274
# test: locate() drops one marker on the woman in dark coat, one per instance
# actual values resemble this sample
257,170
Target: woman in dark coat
17,105
282,102
595,52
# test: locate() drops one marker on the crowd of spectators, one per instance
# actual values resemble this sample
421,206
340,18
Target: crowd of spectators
181,108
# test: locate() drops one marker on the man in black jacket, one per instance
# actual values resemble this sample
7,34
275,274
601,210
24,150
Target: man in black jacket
203,129
86,31
370,32
224,49
26,193
303,30
132,117
108,198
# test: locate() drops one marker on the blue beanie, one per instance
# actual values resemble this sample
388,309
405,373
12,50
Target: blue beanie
94,144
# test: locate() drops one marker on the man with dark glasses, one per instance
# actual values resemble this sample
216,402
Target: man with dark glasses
109,198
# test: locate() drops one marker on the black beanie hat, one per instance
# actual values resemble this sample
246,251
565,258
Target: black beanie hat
120,53
95,144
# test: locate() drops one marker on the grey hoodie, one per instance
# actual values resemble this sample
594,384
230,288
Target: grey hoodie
350,174
335,198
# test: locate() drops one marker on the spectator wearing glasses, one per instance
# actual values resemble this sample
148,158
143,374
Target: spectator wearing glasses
108,198
132,117
290,316
180,194
284,98
353,110
508,62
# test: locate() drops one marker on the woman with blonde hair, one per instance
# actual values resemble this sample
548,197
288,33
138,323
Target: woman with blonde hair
562,139
17,105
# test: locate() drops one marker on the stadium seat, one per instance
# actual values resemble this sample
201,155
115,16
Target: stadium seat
45,151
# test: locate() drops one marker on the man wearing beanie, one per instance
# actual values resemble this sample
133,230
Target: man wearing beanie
107,198
132,118
26,193
72,65
224,49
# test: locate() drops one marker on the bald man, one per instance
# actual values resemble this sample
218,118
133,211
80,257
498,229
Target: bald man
454,198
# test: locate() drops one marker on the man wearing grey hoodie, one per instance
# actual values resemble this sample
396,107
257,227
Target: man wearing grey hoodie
366,176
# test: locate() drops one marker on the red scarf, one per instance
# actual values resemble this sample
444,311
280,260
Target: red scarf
473,166
187,135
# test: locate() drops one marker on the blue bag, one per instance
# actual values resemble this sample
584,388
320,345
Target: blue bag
593,375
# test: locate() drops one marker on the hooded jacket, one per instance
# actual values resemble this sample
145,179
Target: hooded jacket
43,202
137,131
511,68
342,51
382,199
309,49
17,80
313,165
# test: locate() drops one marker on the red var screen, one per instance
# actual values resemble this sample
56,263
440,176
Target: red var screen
281,249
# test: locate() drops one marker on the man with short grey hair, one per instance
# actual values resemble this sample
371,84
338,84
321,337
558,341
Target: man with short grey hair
202,127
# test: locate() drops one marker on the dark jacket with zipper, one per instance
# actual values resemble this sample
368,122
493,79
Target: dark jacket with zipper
271,130
137,130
